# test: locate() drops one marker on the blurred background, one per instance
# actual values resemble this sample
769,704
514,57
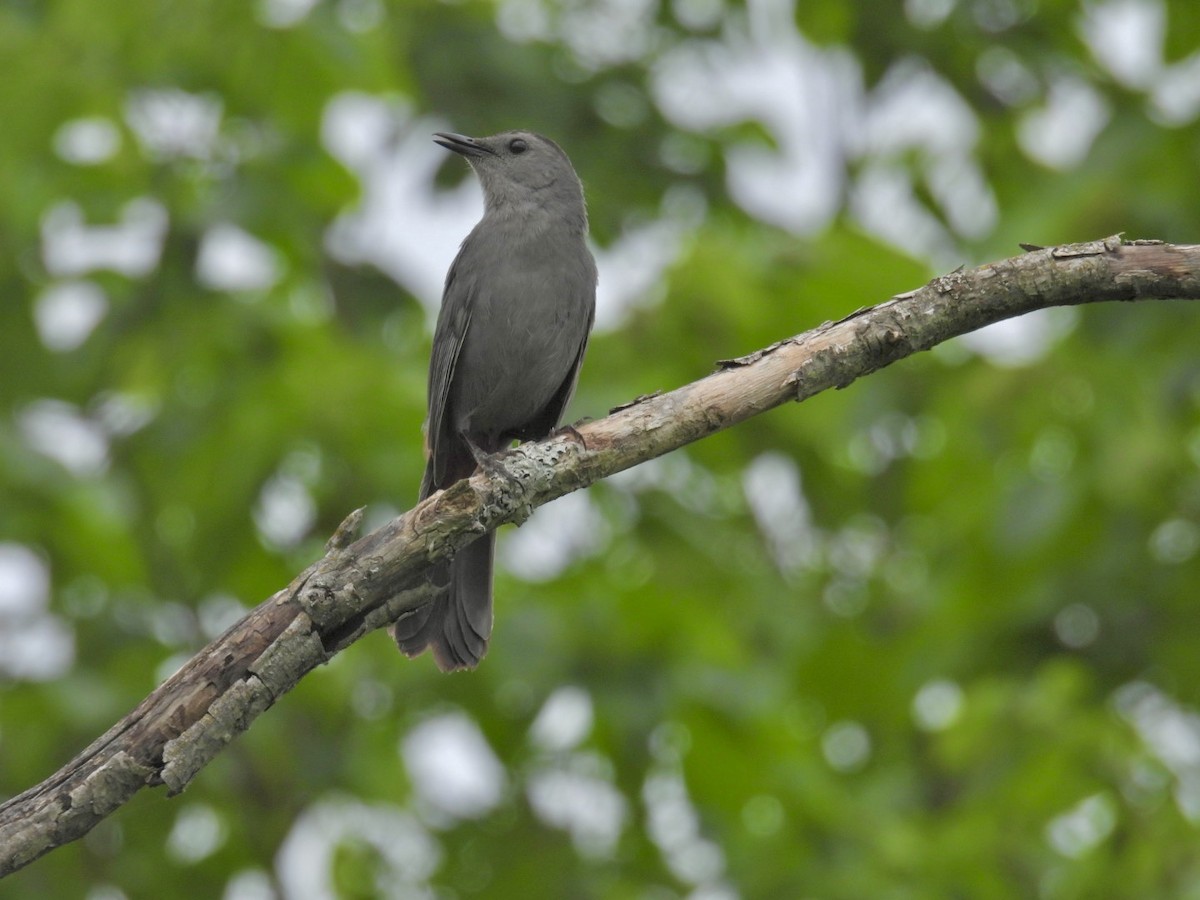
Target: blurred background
931,636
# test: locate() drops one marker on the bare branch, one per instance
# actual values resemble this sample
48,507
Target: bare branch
360,585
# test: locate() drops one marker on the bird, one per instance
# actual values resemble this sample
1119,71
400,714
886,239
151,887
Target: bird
517,310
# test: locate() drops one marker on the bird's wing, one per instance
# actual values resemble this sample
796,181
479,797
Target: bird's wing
562,397
551,415
453,321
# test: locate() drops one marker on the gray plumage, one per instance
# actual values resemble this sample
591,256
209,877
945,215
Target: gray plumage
517,309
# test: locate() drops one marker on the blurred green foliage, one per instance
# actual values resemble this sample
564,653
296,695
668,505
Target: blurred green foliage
931,636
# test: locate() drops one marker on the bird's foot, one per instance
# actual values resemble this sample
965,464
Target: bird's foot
514,498
573,431
490,465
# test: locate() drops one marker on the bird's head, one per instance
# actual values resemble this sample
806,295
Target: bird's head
521,172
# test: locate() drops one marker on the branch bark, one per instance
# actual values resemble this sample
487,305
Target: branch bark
360,585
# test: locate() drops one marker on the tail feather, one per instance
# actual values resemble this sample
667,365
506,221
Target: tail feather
457,625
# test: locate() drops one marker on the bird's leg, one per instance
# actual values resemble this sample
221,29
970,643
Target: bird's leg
487,462
483,458
491,466
560,430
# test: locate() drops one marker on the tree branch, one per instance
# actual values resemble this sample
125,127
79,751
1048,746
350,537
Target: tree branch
360,585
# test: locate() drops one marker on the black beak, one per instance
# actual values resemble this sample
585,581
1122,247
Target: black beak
460,143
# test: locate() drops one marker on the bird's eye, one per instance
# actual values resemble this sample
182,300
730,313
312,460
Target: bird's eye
516,145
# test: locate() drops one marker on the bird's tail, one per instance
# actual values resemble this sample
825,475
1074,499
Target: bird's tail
456,626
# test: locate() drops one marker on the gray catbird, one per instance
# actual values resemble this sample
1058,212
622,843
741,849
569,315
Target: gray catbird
517,308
